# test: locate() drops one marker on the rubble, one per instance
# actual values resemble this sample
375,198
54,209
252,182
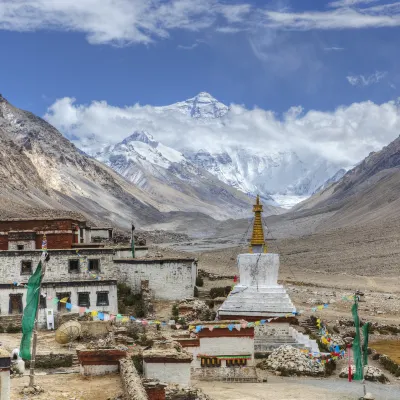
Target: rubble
291,361
176,392
194,310
32,390
167,349
372,374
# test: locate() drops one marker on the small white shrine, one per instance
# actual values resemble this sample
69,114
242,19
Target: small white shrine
258,296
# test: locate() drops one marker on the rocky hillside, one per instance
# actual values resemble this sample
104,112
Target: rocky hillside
370,192
40,170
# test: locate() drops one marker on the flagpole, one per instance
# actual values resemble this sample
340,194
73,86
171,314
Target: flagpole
34,341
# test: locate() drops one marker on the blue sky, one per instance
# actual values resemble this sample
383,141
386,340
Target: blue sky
337,54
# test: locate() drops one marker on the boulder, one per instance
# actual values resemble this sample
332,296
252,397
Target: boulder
372,374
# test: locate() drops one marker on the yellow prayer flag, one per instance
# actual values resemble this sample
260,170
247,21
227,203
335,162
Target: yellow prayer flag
64,300
125,319
94,313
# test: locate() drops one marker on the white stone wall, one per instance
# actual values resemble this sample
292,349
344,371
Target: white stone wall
93,370
169,280
102,233
220,346
125,252
28,244
258,269
272,329
178,373
5,385
74,290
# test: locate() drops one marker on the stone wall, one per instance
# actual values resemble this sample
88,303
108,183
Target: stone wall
131,381
238,374
170,372
51,290
168,279
52,360
10,320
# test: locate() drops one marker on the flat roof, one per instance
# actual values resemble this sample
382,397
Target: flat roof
42,219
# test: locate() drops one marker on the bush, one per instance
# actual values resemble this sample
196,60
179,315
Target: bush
13,329
138,363
175,312
144,341
196,292
199,281
220,292
1,329
123,289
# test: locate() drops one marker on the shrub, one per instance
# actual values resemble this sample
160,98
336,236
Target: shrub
175,312
138,363
220,292
196,292
13,329
123,289
1,329
199,281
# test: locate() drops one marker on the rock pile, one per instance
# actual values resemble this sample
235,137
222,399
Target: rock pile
176,392
291,361
35,389
194,310
373,374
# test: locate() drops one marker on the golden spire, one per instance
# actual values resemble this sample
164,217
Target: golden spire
257,238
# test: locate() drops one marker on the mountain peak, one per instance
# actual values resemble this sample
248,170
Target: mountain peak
140,136
202,106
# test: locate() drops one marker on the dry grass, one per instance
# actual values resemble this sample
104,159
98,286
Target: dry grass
389,347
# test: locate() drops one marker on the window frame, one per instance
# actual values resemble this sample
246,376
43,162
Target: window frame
21,303
207,362
22,267
236,362
88,299
74,271
61,295
98,264
100,304
42,302
20,247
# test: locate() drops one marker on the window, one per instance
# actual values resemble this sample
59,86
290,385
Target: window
102,299
15,304
26,267
42,302
94,265
20,246
73,266
83,299
237,362
210,362
64,295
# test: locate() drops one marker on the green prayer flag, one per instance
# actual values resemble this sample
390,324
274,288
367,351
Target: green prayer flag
365,329
356,345
133,246
28,318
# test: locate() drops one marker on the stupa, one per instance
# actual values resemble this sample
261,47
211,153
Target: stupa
258,295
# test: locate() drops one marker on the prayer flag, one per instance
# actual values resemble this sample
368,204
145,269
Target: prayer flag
29,316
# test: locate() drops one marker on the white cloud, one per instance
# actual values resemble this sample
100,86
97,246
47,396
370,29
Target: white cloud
334,48
189,47
124,22
119,22
349,3
344,136
342,16
362,80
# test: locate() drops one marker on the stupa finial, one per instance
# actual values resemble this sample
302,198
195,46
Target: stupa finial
257,238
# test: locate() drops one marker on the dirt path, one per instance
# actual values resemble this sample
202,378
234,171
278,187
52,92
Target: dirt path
278,388
70,387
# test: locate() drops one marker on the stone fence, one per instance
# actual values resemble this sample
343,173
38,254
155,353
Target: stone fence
131,381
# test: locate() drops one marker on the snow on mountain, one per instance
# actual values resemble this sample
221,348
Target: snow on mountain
202,106
166,174
270,173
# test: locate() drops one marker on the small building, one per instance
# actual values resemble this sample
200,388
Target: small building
167,362
259,297
61,233
221,351
99,361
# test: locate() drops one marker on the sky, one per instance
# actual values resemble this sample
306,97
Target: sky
322,74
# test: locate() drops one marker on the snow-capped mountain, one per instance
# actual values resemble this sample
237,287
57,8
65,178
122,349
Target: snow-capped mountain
270,173
166,174
202,106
